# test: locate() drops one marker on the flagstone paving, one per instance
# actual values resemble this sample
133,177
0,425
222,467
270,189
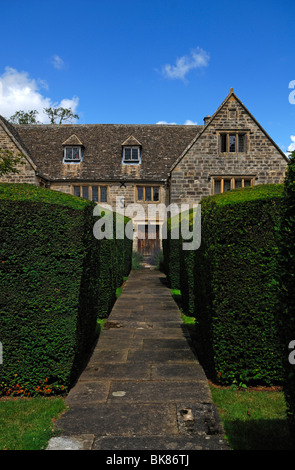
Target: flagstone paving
143,387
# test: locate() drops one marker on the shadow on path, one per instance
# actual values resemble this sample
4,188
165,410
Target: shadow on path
143,387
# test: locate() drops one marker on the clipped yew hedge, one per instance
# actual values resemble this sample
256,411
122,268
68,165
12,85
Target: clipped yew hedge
230,284
53,277
171,253
286,311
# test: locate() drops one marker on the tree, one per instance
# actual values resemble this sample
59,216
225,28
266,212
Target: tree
22,117
9,162
59,115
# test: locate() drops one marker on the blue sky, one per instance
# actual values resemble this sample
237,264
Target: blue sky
150,61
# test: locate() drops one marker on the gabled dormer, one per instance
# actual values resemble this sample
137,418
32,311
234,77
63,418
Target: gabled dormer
73,150
131,151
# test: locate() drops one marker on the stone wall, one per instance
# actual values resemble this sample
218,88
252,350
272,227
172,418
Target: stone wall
192,178
128,193
26,171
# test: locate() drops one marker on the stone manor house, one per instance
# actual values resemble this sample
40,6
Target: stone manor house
147,164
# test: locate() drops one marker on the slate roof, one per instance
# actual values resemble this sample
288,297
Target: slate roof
161,145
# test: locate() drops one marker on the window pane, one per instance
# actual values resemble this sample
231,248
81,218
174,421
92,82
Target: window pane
76,153
148,194
226,185
217,186
127,153
156,193
85,192
232,143
69,153
103,194
135,154
140,193
247,183
223,142
95,193
238,183
77,191
242,140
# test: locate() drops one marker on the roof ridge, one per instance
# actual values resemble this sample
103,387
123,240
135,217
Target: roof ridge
54,126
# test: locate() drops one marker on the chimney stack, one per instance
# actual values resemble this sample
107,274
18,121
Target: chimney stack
206,119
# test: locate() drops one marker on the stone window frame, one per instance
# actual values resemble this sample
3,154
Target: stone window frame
232,179
144,200
235,132
89,187
131,162
70,161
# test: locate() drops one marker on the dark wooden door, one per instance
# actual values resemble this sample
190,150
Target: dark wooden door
148,239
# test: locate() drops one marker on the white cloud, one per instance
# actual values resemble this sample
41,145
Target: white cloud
198,58
188,122
57,62
18,91
165,122
291,147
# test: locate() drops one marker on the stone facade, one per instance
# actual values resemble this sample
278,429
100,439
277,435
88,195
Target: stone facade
184,163
26,170
261,162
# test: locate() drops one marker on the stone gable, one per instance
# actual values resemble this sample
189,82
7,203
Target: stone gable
192,176
8,141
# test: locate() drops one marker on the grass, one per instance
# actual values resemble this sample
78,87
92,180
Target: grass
176,294
253,420
119,290
26,424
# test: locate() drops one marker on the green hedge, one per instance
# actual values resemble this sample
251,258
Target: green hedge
53,277
230,284
286,312
178,264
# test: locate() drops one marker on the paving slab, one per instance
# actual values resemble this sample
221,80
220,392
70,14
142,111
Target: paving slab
116,419
199,442
159,391
90,392
119,371
160,343
161,356
193,371
143,387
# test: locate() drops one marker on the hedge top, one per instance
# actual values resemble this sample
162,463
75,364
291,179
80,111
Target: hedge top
32,193
235,196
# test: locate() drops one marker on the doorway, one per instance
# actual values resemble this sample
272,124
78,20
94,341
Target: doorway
148,239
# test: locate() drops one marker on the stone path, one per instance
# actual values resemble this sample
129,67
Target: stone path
143,387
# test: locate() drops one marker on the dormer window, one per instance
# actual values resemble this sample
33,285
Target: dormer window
73,150
72,154
131,151
131,154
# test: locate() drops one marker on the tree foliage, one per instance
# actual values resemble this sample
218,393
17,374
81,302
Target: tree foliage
22,117
60,115
9,162
55,115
